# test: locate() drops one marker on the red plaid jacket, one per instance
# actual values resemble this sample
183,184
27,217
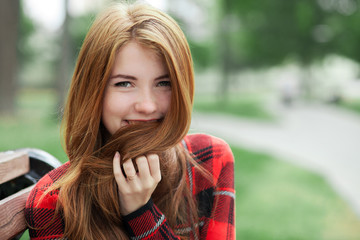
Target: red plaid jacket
216,199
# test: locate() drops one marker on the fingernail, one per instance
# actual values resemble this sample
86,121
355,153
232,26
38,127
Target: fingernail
117,154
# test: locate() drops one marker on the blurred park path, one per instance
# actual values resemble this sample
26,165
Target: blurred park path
321,138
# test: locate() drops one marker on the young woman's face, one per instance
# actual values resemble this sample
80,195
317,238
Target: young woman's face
138,89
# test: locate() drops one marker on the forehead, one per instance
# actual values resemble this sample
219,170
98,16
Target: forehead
134,55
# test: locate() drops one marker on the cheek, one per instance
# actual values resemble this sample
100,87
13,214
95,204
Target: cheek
107,106
113,105
166,101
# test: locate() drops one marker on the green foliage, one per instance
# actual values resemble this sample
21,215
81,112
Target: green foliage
266,33
249,106
78,28
274,31
353,105
346,32
203,54
278,201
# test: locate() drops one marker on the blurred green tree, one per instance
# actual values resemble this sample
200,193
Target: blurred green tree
273,32
73,32
344,23
260,34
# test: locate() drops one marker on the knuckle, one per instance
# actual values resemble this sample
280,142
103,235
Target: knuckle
153,157
147,183
127,162
141,160
137,190
127,169
128,165
149,188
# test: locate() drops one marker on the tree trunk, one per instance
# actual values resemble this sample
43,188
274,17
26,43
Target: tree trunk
9,21
63,72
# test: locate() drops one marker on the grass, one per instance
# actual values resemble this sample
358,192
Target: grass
242,105
34,126
274,199
353,105
278,201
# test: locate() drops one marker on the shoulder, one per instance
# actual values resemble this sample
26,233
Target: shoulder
204,146
212,153
37,199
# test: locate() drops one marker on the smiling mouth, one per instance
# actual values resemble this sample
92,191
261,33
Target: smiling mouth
130,122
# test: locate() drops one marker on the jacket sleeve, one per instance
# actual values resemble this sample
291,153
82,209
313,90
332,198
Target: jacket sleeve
215,193
40,215
148,222
221,224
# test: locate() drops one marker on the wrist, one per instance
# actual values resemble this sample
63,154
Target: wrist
139,211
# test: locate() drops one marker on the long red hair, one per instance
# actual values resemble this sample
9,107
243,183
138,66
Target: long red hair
88,198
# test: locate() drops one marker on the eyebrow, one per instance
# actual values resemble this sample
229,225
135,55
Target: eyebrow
134,78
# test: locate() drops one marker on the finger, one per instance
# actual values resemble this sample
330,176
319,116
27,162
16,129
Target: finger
154,166
119,176
129,169
143,166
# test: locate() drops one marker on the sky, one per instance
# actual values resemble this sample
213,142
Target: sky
51,14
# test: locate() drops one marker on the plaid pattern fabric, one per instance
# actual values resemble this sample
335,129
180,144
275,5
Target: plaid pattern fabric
40,215
215,198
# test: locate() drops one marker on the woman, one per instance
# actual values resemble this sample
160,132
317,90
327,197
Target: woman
132,171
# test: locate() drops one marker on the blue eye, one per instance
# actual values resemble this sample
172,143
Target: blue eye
164,84
123,84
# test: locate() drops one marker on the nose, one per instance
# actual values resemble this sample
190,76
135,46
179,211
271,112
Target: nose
146,103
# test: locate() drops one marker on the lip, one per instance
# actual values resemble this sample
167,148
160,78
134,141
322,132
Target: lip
134,121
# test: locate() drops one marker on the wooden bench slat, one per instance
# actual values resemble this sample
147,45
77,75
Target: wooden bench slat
12,218
12,165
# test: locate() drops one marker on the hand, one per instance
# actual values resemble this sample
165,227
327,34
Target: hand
136,188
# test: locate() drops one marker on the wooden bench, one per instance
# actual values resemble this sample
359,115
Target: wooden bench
19,171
